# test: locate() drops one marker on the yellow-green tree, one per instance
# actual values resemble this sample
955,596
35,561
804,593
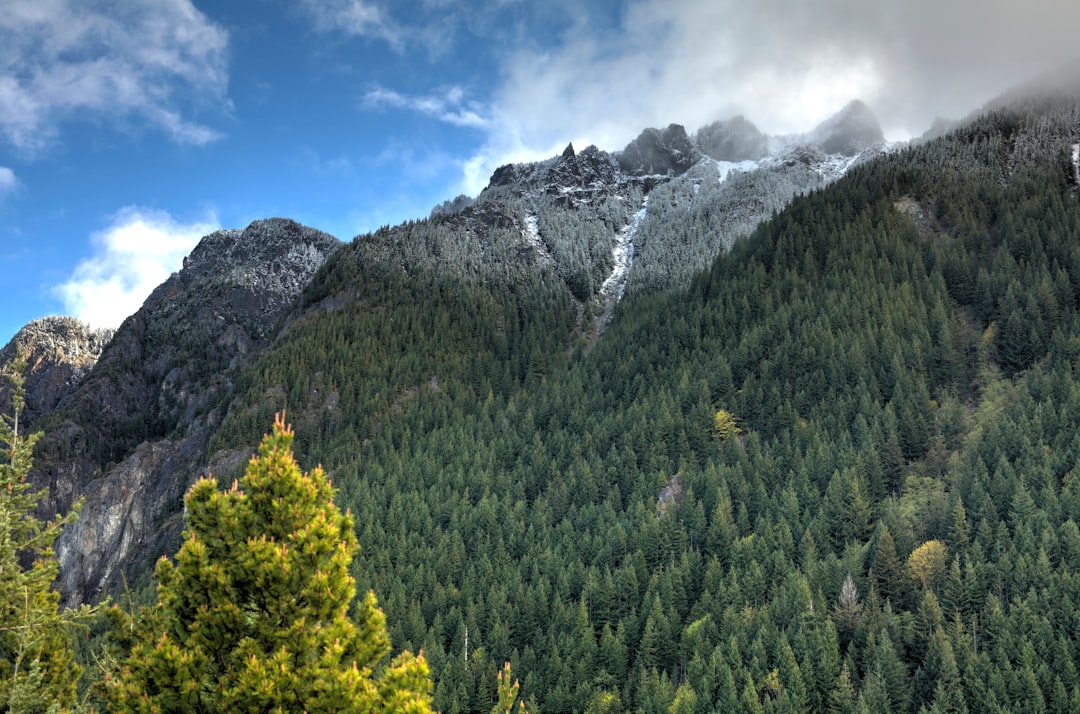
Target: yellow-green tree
724,423
253,617
927,562
507,693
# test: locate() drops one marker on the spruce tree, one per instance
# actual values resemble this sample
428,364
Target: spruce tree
36,668
254,614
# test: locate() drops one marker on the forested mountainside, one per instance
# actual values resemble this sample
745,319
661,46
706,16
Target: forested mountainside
893,529
568,235
833,471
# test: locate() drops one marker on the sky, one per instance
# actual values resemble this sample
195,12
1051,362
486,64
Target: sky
130,130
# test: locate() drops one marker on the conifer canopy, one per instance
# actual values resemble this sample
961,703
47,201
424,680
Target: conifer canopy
254,614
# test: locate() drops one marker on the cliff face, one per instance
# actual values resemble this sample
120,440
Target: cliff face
133,432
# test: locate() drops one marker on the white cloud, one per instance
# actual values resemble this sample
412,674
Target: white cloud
356,18
785,64
8,182
449,107
138,251
62,59
340,166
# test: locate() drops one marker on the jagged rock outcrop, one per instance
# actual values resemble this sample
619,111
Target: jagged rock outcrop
736,139
590,171
59,352
142,417
656,152
850,131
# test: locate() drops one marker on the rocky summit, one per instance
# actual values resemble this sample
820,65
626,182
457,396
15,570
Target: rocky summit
59,352
144,414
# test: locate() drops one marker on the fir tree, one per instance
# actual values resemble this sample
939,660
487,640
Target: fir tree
36,668
253,616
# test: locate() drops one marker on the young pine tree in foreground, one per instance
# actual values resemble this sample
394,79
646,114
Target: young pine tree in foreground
37,673
253,616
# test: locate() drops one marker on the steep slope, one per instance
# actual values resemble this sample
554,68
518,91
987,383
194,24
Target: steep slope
130,437
899,351
533,266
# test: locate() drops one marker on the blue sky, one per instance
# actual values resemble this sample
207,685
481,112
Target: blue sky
129,130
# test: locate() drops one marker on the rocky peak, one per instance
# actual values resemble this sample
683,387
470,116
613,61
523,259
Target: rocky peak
736,139
59,352
853,129
146,411
274,257
589,169
659,152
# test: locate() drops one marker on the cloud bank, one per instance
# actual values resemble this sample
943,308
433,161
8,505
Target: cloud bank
138,251
141,59
603,74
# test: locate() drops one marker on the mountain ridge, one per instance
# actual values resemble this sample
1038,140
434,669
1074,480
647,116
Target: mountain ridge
145,416
144,413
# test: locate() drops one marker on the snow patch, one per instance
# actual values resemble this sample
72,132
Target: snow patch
725,168
622,253
1076,161
836,165
532,235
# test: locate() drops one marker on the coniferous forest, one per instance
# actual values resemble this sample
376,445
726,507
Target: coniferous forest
838,471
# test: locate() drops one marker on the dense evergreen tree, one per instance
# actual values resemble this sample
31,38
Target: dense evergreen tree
894,529
254,615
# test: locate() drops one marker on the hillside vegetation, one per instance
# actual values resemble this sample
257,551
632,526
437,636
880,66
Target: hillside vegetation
890,525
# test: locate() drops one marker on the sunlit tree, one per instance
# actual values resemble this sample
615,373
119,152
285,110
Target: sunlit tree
254,614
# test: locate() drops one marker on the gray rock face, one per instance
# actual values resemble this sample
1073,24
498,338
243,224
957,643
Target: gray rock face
138,424
734,140
117,525
131,518
656,152
59,352
852,130
591,170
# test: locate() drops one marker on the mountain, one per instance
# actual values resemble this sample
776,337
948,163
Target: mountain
128,437
852,130
734,140
574,234
794,432
897,348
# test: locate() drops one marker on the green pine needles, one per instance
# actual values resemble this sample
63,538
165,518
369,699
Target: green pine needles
37,673
254,614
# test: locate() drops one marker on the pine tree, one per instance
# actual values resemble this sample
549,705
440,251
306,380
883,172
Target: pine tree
36,668
253,616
